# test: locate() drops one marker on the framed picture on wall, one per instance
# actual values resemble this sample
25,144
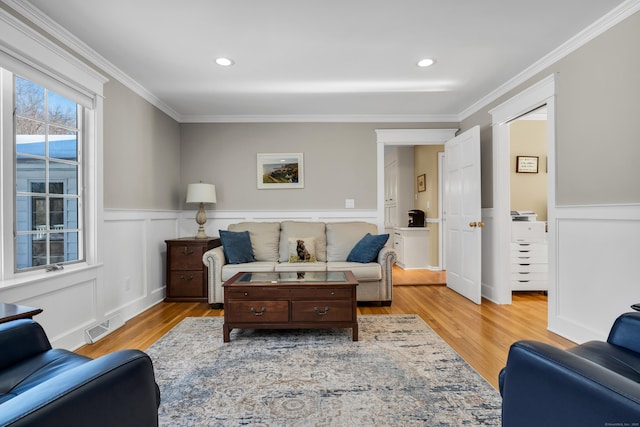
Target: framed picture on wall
527,164
422,183
280,170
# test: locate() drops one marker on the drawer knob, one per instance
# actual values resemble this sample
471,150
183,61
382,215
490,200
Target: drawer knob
321,313
185,279
258,313
333,293
187,251
246,294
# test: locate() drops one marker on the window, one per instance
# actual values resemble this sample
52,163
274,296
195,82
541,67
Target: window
48,174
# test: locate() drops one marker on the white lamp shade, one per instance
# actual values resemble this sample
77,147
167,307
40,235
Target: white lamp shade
201,193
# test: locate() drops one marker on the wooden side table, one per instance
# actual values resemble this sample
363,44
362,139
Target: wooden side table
186,274
9,312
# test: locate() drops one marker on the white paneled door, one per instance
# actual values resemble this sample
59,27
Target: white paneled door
463,225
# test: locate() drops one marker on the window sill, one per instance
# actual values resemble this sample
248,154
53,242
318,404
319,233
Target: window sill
34,277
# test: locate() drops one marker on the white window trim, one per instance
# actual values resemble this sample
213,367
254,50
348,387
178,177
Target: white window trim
27,52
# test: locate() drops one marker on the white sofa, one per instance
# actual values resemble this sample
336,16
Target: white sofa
333,243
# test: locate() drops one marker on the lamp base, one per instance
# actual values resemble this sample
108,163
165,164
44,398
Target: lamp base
201,219
201,234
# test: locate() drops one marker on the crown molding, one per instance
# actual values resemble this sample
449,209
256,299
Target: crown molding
321,118
614,17
35,15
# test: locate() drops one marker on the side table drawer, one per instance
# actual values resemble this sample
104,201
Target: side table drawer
186,284
186,257
257,311
321,311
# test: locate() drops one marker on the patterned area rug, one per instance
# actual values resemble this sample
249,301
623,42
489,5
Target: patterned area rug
400,373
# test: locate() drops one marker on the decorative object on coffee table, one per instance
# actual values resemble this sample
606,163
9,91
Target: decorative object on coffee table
201,193
186,274
290,300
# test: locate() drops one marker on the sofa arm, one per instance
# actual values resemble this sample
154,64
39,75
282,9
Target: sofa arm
625,331
386,258
118,389
545,386
20,340
214,260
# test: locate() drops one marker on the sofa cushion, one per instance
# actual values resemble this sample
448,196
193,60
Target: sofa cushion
228,270
363,272
366,250
36,370
617,359
236,246
265,237
317,230
343,236
302,249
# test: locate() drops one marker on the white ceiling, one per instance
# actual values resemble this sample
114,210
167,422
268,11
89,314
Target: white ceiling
320,59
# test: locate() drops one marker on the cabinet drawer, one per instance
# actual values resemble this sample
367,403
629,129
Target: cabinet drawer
529,268
186,284
529,276
529,285
185,257
257,293
321,294
257,311
526,257
321,311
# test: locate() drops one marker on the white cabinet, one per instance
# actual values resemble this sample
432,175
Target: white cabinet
412,247
529,257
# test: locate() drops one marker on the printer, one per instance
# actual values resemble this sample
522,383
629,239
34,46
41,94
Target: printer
523,216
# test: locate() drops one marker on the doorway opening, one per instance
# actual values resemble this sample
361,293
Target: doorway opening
529,201
536,96
390,138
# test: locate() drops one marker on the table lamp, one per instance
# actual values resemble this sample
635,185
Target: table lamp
201,193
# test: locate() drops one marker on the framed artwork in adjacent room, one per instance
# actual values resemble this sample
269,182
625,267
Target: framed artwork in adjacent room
280,170
527,164
422,183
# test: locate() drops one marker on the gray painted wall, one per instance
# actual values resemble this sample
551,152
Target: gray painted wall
339,162
141,153
598,107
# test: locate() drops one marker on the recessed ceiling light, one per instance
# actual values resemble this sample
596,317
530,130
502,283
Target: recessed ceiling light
426,62
224,62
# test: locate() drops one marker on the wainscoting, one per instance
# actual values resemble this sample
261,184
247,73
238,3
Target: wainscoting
131,276
597,273
594,278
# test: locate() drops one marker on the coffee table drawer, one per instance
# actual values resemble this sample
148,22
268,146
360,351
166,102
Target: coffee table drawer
321,311
256,293
257,311
321,294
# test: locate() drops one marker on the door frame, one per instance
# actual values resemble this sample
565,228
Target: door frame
541,93
404,137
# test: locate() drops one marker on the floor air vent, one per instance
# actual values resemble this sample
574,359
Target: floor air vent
98,331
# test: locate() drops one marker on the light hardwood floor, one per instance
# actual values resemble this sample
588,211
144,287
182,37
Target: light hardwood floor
481,334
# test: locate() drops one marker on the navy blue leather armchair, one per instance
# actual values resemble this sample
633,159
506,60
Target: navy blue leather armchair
593,384
41,386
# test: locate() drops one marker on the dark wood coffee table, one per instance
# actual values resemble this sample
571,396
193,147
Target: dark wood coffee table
9,312
290,301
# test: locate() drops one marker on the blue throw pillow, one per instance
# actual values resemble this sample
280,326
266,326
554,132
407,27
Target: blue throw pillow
366,250
236,246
